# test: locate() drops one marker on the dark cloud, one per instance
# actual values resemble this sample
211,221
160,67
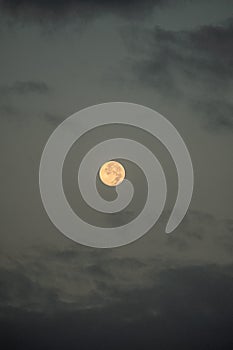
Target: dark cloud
25,87
194,66
42,9
219,112
20,291
185,308
19,89
53,118
161,295
85,281
8,110
79,277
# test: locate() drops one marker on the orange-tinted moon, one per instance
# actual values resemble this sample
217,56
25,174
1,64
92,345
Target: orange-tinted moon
112,173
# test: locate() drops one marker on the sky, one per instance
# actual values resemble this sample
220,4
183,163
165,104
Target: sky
161,291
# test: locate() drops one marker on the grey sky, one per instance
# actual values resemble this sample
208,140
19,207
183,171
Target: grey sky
175,57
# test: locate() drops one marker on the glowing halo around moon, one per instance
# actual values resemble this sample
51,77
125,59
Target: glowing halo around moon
112,173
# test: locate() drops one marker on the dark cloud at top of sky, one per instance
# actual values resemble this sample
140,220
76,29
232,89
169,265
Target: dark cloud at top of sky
193,65
24,87
42,9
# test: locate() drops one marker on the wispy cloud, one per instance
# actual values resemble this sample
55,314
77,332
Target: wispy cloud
43,10
25,87
193,65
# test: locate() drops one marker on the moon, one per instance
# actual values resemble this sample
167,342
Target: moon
112,173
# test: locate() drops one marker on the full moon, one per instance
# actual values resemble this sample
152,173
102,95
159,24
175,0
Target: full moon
112,173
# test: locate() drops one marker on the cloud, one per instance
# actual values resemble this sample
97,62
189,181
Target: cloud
20,291
40,10
53,118
138,294
219,112
25,87
10,93
8,110
79,278
186,307
194,66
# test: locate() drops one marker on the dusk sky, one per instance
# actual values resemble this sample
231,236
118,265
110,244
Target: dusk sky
163,291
